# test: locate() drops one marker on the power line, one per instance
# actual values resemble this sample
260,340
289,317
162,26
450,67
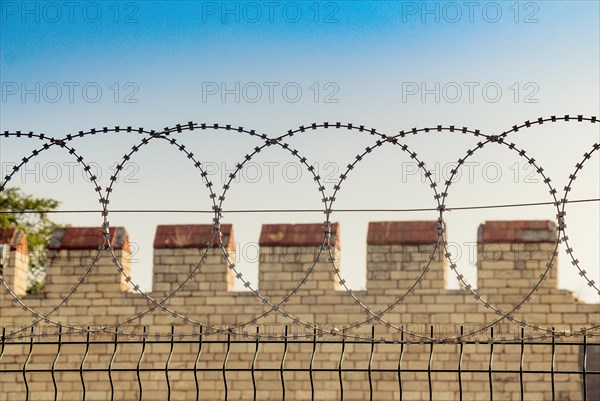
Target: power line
240,211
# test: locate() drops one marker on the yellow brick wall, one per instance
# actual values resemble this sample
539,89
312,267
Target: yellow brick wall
105,298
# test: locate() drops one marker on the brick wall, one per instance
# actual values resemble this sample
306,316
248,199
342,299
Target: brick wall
511,256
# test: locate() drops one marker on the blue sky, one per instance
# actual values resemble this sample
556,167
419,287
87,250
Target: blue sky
154,63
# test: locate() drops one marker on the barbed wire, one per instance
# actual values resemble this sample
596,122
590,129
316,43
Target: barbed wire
328,201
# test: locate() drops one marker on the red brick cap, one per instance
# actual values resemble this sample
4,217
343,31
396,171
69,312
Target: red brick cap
80,238
517,231
402,233
15,238
191,236
297,235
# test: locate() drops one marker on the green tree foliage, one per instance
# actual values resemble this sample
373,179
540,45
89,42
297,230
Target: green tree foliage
36,225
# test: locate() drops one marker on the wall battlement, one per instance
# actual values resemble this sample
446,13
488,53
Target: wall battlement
298,274
15,267
507,251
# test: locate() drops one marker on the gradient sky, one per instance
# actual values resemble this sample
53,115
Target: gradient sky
162,57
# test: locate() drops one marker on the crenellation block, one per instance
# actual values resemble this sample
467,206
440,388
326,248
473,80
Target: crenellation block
514,255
